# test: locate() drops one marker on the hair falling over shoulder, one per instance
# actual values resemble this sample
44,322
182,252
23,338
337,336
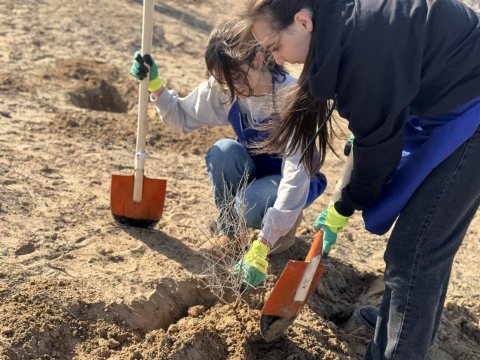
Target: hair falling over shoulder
305,122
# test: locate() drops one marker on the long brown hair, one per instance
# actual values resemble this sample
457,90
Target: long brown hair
227,50
306,122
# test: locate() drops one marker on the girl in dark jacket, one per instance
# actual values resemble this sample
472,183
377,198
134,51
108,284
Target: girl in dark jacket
406,76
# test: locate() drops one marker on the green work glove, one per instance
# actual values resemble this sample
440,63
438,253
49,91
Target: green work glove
139,70
331,222
253,266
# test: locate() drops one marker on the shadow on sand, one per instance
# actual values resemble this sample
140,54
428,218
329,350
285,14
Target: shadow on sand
168,246
186,18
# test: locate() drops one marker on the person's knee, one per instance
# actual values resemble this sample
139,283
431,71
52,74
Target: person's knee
228,160
223,149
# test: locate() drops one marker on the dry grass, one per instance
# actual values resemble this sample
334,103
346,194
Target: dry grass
222,252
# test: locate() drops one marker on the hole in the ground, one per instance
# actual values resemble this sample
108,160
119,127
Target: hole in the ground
340,291
164,306
98,95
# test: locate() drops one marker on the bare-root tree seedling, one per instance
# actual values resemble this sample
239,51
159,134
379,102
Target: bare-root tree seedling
219,263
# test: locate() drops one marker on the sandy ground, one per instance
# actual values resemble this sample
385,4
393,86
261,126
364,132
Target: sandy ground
74,284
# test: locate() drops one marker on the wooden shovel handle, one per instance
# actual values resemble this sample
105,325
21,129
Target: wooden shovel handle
140,155
317,245
147,40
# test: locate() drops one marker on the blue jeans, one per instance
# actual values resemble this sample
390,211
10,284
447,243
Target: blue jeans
420,253
228,162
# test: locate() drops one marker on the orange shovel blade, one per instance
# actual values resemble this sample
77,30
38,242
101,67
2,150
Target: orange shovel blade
280,309
281,301
145,213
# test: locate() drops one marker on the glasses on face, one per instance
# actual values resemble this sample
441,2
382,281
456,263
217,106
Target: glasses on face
239,82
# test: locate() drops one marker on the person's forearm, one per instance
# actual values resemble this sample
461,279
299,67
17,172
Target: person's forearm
292,195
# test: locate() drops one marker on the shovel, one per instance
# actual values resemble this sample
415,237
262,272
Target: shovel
299,279
136,200
297,282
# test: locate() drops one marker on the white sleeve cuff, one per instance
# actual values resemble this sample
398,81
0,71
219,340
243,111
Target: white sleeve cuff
277,223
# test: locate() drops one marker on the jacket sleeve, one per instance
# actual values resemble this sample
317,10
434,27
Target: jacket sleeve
291,199
380,75
205,105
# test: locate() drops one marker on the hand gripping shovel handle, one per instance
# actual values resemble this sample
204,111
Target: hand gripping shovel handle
137,200
140,154
298,280
315,255
295,285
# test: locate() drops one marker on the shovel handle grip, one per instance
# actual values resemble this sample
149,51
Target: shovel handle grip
317,246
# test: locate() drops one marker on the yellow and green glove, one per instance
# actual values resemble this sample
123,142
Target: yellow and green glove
253,266
331,222
139,70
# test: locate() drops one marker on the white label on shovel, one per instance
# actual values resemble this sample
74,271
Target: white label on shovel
307,278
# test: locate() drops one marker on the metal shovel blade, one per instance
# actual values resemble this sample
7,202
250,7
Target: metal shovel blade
271,326
143,214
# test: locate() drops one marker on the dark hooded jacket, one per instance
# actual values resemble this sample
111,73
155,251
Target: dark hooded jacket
383,60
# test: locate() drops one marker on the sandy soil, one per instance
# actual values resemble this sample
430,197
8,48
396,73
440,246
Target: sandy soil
76,285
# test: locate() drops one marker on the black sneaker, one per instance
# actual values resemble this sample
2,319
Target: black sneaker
367,315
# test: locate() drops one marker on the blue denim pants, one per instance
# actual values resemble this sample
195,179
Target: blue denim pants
420,253
228,162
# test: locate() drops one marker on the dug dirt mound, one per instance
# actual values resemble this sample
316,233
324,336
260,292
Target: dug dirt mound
48,318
